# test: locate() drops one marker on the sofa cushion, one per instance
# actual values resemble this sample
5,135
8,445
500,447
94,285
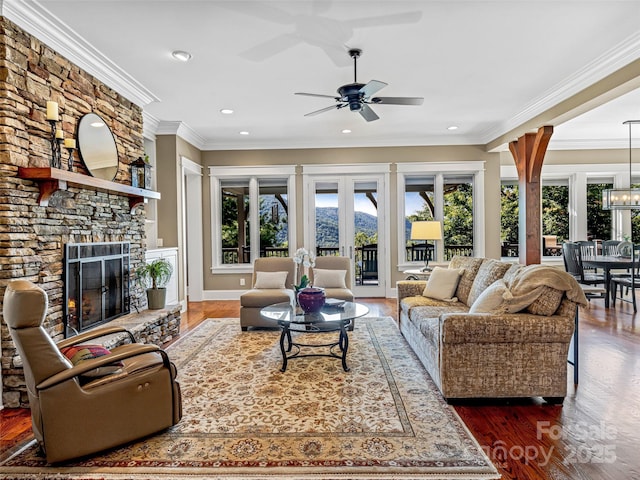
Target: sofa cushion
490,271
270,280
258,298
547,303
442,284
471,266
324,278
493,299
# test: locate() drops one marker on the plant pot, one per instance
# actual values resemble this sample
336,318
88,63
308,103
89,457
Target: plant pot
311,300
156,298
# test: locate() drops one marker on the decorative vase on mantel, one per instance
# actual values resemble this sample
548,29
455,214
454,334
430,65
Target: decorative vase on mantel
311,299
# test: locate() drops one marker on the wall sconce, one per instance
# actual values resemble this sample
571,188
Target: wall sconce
140,174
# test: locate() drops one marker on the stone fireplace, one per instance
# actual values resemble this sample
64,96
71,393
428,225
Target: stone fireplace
35,236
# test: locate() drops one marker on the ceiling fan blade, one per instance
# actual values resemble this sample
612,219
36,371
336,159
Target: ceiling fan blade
270,48
317,95
367,113
322,110
398,100
394,19
372,87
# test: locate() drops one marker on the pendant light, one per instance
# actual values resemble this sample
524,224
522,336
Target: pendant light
623,198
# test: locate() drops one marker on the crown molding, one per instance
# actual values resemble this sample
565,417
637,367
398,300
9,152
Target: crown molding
612,60
32,17
181,130
150,125
589,144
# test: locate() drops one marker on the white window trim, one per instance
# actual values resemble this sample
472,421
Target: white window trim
253,173
578,176
440,170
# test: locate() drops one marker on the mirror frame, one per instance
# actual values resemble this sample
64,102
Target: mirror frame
91,157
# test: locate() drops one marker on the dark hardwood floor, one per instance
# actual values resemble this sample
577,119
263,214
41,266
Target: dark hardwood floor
595,434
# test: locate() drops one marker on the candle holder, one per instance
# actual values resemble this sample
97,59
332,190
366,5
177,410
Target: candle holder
70,159
56,154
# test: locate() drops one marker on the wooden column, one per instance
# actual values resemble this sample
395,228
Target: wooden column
528,153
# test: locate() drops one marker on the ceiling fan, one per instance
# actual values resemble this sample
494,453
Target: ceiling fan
358,96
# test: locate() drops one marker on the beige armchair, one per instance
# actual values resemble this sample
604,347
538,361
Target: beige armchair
77,410
272,282
331,283
333,290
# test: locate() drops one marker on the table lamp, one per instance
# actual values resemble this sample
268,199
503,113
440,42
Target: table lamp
426,230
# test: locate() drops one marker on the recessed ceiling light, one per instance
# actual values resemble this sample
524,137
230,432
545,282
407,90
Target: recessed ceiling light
346,130
181,55
226,111
452,127
244,132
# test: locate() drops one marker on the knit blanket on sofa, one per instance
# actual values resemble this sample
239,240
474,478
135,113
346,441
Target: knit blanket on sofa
527,283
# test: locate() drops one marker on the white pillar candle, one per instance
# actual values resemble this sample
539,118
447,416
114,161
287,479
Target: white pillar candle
69,143
59,134
52,111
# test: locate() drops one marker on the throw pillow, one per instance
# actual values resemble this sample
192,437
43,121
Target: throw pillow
490,271
324,278
493,299
442,284
81,353
270,280
471,266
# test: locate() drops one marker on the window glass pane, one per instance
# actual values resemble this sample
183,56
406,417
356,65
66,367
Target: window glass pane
598,220
274,225
418,205
235,221
509,212
327,230
555,211
458,215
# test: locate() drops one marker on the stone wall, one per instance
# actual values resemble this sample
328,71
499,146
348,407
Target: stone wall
32,237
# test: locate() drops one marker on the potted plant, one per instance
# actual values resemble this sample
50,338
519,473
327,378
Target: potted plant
154,276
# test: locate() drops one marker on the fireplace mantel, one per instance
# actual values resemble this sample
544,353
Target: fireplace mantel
50,180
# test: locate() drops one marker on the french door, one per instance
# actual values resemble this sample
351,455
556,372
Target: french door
345,216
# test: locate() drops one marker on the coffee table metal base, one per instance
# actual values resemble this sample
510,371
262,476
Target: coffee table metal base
335,349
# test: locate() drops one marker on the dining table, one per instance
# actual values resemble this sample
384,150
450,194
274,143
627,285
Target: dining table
608,263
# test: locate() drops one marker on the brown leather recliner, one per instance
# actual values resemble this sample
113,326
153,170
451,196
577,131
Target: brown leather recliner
74,415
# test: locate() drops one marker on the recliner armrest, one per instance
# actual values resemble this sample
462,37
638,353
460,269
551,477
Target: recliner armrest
97,333
125,352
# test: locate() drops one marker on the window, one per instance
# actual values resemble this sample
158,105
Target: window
250,215
571,204
451,193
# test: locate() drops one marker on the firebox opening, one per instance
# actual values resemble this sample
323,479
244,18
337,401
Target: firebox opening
96,287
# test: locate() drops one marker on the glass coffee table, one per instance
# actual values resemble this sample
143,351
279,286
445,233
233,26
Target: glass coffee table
329,319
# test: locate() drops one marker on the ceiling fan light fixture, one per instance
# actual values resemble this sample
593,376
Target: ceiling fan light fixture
181,55
623,198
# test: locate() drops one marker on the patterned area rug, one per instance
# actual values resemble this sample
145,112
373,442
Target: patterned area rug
243,418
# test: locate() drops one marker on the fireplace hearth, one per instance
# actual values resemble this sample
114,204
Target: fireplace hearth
96,284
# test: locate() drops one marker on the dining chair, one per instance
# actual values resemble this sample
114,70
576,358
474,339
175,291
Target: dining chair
628,282
610,247
572,256
588,249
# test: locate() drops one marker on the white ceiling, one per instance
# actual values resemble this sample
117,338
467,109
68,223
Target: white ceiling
484,66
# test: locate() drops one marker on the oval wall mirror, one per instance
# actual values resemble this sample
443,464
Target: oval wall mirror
97,147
